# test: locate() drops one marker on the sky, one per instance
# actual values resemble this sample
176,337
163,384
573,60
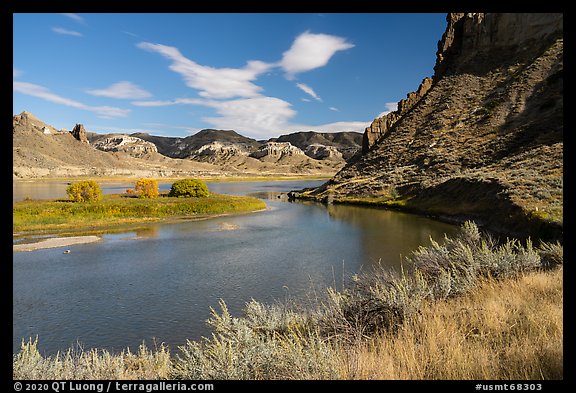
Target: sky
262,75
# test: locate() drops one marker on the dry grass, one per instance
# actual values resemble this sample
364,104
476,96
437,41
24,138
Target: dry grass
507,329
93,364
470,308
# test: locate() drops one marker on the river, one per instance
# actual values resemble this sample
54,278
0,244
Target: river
157,284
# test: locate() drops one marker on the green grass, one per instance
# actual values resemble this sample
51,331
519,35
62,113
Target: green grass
391,202
33,216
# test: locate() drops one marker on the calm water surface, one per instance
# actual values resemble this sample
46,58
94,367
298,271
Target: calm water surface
157,284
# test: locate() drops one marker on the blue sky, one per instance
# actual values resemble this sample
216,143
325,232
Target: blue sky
262,75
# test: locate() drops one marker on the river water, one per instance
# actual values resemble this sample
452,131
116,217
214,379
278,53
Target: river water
157,284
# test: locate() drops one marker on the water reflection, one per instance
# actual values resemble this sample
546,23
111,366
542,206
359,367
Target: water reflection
389,236
160,280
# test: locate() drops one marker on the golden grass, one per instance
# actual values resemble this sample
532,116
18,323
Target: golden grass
93,364
508,329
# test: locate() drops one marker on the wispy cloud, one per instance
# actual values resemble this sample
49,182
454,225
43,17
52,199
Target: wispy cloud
390,107
75,17
63,31
42,92
305,100
121,90
334,109
308,90
310,51
236,98
177,101
212,82
16,72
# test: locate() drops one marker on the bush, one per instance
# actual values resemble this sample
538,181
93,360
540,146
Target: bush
84,191
147,188
189,188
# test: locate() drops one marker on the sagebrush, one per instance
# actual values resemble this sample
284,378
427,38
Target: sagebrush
467,308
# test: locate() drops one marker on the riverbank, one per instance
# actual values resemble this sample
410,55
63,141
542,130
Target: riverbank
471,309
519,222
32,217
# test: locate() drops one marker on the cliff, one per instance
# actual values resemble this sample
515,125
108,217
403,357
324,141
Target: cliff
134,146
325,145
482,139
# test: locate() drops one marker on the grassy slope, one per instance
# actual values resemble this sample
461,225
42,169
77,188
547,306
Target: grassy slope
57,215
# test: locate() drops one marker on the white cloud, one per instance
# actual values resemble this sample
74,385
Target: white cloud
16,72
212,82
42,92
390,107
121,90
334,109
238,101
310,51
308,90
74,17
305,100
61,30
259,117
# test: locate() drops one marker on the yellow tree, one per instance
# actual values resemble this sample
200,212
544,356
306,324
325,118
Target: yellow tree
147,188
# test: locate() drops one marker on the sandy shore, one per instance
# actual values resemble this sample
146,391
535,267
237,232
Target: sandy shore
55,242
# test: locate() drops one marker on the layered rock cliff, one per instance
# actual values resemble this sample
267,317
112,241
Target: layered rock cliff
325,145
136,147
276,150
482,139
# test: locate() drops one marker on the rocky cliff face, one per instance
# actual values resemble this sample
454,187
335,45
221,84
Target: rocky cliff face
218,152
276,150
325,145
136,147
79,133
382,125
321,152
483,139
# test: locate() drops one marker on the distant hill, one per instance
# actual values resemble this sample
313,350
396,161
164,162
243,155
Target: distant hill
39,150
